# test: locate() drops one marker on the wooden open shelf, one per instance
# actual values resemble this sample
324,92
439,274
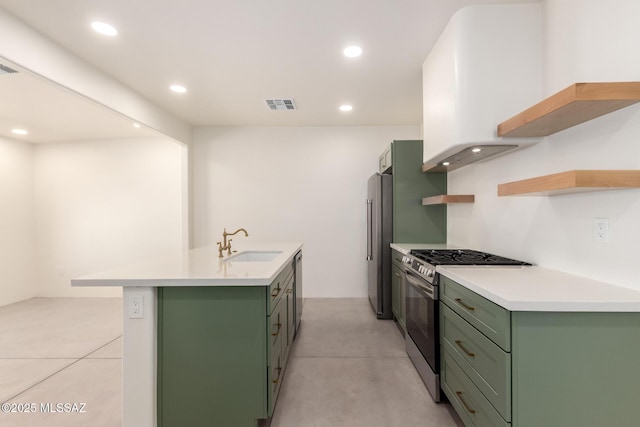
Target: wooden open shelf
576,104
446,199
575,181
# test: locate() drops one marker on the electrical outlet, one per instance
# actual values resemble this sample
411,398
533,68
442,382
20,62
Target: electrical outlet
136,307
601,230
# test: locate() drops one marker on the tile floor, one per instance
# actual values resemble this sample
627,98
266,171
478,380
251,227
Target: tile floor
346,368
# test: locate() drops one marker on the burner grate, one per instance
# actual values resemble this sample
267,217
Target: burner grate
462,257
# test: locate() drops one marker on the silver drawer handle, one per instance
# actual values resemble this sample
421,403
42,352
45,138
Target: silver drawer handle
469,410
459,343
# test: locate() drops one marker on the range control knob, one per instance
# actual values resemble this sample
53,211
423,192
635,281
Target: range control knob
429,273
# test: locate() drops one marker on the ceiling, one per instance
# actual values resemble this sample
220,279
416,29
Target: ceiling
233,54
52,114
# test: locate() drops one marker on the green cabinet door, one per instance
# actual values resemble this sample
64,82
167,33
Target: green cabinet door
289,302
397,296
412,222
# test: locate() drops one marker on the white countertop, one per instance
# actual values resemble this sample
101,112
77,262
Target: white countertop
198,267
541,289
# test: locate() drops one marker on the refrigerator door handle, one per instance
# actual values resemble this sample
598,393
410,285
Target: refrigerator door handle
369,229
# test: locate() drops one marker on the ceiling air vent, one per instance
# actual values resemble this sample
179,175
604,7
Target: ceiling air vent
6,70
280,104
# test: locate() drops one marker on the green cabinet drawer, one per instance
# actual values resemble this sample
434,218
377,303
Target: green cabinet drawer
277,328
468,401
486,364
275,370
278,286
489,318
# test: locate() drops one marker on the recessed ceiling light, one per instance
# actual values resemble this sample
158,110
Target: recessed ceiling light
352,51
477,150
104,28
445,163
346,108
136,125
178,88
19,131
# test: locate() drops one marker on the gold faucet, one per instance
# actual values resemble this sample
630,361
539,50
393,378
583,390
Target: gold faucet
227,244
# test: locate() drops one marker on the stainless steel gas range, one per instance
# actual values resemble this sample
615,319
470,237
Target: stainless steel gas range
422,310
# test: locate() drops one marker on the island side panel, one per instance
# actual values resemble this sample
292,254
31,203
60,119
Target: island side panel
212,366
139,360
575,369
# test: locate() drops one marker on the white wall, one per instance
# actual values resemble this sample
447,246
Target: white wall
584,40
16,221
100,204
303,184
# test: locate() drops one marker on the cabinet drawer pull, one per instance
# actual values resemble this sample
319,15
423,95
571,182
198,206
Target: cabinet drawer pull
464,349
289,291
469,410
278,378
276,291
278,325
462,303
396,274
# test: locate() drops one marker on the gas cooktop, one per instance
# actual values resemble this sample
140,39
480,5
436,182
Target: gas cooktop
462,257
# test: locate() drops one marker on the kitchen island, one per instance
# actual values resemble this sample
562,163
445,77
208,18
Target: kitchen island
205,339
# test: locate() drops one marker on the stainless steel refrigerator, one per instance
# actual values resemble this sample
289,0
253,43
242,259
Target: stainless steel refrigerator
379,237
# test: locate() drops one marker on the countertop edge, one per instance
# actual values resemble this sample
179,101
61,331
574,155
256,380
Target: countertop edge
112,278
547,306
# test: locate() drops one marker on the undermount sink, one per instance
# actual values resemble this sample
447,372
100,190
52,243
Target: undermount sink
254,256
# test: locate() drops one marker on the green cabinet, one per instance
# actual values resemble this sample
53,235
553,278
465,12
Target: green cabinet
222,352
531,369
488,366
398,290
413,222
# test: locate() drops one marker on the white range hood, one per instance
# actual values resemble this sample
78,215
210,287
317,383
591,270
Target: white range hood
484,68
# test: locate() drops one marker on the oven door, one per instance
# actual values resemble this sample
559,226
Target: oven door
422,318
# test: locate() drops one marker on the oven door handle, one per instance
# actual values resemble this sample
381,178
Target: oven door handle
422,287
